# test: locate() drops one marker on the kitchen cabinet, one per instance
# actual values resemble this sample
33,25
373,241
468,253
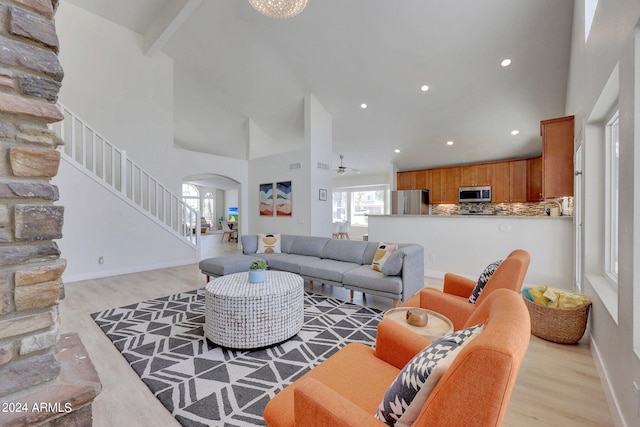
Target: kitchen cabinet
406,180
509,182
518,181
423,179
557,157
534,179
500,182
444,185
473,175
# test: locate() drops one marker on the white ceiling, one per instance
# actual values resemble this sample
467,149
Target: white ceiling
233,64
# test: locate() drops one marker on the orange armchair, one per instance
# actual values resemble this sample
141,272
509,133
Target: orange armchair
346,389
453,301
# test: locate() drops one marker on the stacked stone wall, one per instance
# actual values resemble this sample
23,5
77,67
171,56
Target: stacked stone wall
31,266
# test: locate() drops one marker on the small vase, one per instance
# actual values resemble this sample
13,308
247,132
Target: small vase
257,276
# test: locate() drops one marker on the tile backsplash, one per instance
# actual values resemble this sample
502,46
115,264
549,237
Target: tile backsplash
510,209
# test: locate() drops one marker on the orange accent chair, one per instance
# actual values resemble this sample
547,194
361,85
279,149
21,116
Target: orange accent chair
453,301
346,389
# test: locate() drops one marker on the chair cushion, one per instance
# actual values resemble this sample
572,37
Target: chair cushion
327,269
364,277
269,243
345,250
228,264
401,403
482,280
382,255
310,246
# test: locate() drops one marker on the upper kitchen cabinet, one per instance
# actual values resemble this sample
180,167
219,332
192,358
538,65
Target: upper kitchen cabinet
557,157
478,174
406,180
444,185
534,179
423,179
509,182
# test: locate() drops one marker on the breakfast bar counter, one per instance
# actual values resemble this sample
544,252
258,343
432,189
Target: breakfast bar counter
465,244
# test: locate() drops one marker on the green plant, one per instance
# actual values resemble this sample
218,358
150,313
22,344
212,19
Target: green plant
258,265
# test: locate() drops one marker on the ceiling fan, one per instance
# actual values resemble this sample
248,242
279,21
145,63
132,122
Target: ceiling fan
342,169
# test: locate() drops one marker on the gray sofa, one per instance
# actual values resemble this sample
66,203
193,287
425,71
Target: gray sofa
334,262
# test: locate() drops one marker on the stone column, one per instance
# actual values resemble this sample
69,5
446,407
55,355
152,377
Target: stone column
38,380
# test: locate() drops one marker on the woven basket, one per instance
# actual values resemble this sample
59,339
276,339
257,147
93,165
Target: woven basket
561,325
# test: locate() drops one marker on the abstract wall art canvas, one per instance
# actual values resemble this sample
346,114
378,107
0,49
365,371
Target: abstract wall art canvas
266,199
283,198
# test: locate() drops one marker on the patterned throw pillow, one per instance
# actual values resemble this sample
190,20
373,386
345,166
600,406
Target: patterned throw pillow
382,254
401,403
482,280
268,244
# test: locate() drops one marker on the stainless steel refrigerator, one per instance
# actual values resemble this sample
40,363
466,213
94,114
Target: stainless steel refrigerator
410,202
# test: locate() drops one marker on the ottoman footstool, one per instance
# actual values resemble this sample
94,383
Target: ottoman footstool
228,264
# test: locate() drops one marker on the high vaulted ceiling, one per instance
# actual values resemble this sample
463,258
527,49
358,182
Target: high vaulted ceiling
233,64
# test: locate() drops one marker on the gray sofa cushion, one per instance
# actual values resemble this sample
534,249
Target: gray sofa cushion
286,240
287,262
345,250
369,253
327,269
249,244
393,265
227,264
307,245
367,278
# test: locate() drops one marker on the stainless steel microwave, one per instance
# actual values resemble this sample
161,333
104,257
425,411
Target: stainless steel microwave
474,194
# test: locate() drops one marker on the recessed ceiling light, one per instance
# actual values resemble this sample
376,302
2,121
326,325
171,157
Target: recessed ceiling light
396,150
424,88
449,142
363,105
515,132
505,62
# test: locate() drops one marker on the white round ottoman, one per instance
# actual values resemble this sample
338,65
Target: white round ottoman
244,315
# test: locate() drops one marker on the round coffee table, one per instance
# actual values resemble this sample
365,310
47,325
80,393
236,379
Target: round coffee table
437,326
244,315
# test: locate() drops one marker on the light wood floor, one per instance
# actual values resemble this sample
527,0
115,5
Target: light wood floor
557,385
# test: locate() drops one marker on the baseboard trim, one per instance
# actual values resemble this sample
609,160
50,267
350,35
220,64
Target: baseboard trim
127,270
612,402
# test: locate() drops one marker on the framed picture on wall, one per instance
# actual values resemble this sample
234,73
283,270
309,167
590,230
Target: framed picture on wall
283,198
322,194
266,199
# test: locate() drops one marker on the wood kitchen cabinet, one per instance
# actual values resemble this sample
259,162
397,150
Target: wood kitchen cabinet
444,185
423,179
406,180
534,179
557,157
509,182
473,175
518,181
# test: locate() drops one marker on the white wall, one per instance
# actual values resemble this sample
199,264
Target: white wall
99,224
466,245
128,98
613,40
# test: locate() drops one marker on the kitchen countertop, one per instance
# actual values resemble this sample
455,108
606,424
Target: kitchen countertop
563,217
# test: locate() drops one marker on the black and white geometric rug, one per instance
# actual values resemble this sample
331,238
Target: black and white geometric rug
202,384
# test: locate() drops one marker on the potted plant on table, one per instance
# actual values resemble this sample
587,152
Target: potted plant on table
257,271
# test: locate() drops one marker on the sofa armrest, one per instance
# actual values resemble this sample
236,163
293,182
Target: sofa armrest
412,270
315,404
457,309
396,344
458,285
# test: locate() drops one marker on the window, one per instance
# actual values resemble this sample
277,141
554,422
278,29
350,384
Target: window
209,208
356,203
589,12
191,196
612,144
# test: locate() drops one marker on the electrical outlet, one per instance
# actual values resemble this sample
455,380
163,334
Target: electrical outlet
101,260
636,393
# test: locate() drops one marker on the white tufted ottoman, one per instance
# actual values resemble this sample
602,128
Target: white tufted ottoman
247,315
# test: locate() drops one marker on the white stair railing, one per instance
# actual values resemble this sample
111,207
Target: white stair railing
90,152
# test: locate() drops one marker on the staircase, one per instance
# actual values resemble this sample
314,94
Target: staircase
100,160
